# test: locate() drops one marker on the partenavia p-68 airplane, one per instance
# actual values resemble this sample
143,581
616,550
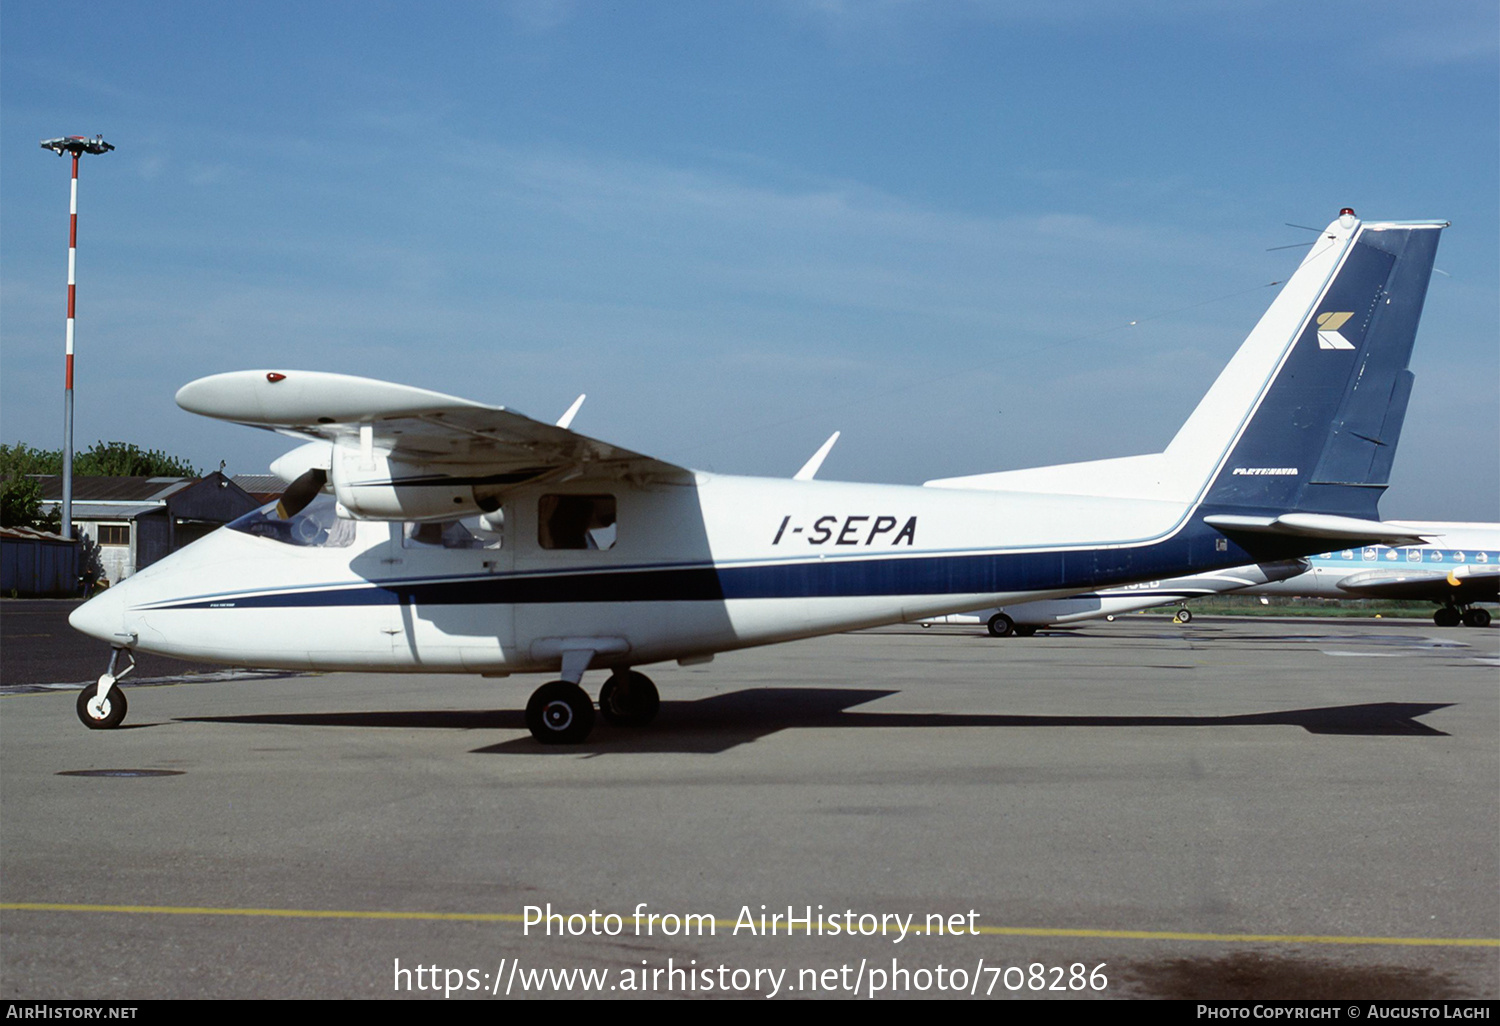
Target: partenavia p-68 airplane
427,533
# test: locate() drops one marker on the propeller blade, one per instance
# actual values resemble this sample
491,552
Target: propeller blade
300,492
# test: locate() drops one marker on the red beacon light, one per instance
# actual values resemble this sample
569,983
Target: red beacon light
1347,217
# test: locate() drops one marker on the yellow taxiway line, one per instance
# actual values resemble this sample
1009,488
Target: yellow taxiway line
727,924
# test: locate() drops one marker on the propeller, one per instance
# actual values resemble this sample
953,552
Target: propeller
300,492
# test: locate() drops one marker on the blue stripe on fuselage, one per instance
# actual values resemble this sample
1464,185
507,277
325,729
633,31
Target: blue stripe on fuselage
1191,550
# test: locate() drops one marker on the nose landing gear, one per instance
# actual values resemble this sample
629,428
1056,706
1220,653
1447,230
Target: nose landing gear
102,706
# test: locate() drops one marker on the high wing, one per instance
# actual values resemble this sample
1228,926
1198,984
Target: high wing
399,452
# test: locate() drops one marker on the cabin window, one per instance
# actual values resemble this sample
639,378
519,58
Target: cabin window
576,522
316,526
477,532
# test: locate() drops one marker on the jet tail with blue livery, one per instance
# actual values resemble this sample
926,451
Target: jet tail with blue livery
426,533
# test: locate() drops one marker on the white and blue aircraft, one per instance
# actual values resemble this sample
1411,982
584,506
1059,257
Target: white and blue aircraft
427,533
1457,567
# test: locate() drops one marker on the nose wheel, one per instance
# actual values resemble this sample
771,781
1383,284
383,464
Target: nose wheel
102,706
104,713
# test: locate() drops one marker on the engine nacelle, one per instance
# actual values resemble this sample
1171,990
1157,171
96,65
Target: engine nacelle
375,487
312,456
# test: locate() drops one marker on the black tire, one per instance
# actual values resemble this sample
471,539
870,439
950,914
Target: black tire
1446,617
1184,616
1025,630
629,699
1001,626
1476,617
560,713
114,708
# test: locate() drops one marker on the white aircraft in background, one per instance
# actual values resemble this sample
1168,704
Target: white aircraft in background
426,533
1023,619
1458,566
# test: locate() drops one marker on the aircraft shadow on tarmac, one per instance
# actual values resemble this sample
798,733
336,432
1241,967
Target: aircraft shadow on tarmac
721,722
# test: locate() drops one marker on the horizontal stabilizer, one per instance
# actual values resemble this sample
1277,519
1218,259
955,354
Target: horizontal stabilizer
1317,525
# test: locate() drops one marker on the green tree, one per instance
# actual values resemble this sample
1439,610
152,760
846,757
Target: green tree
21,494
25,459
123,459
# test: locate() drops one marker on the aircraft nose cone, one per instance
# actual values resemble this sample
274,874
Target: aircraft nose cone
100,617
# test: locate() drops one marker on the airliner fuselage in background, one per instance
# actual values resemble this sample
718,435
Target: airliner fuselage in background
1457,567
427,533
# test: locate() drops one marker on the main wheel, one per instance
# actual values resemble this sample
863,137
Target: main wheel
98,714
629,699
1026,630
1476,617
1446,617
560,713
1001,626
1184,616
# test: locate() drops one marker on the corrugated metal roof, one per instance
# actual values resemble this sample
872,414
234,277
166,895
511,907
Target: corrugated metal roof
113,510
260,484
116,489
28,533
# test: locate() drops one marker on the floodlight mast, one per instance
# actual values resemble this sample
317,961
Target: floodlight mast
77,145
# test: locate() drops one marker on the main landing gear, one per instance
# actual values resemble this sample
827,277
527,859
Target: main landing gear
102,706
560,713
1002,626
1470,616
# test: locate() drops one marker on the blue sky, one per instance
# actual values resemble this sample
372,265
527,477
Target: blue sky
741,226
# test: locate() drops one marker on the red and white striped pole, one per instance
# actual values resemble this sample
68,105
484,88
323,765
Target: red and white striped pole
66,530
77,146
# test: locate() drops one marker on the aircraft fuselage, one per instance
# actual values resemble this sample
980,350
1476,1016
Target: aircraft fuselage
678,571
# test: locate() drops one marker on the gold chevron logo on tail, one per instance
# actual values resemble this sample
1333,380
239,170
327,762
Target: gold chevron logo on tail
1328,331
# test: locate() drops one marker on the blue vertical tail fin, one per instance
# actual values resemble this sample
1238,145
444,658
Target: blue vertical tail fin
1323,432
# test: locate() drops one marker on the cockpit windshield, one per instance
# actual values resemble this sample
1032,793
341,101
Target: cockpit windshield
317,525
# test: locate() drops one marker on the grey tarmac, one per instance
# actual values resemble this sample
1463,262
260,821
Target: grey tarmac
1239,807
